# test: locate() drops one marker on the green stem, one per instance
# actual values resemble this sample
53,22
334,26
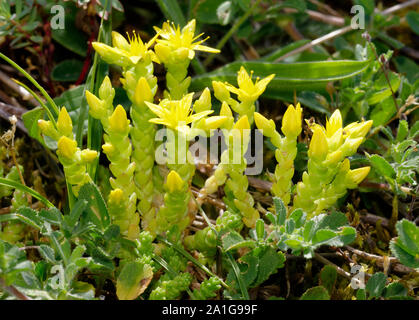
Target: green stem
233,29
37,98
34,82
192,259
19,186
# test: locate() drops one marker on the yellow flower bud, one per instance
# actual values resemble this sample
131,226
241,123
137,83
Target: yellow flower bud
64,124
67,147
355,177
318,145
183,54
174,182
204,101
105,89
108,148
163,52
268,126
359,129
334,157
225,110
88,155
48,129
291,122
119,41
345,166
111,55
334,123
214,122
350,146
142,92
220,91
242,124
335,141
116,197
118,121
96,106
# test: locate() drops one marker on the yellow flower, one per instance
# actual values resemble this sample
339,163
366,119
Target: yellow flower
334,123
181,40
48,129
291,122
64,123
142,91
67,147
174,182
123,52
356,176
88,155
249,91
268,126
318,145
357,130
118,121
96,105
204,101
176,113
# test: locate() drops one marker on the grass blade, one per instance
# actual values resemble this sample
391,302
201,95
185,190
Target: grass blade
288,76
53,107
21,187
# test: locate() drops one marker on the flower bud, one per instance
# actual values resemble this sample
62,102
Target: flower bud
267,126
183,54
116,197
350,146
47,128
334,123
96,106
105,89
204,101
163,52
355,177
142,92
214,122
119,41
318,145
88,155
67,147
242,124
359,130
108,148
64,123
118,121
291,122
174,182
111,55
220,91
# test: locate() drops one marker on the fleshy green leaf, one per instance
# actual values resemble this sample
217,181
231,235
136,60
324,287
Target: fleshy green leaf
133,280
382,166
316,293
376,284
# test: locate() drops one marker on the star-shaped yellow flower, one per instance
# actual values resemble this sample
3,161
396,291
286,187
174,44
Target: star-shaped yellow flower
176,114
175,38
247,90
125,53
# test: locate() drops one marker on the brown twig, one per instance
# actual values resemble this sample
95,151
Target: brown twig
339,270
343,30
13,291
381,261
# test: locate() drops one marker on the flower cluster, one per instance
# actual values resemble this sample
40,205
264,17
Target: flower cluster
328,172
73,159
